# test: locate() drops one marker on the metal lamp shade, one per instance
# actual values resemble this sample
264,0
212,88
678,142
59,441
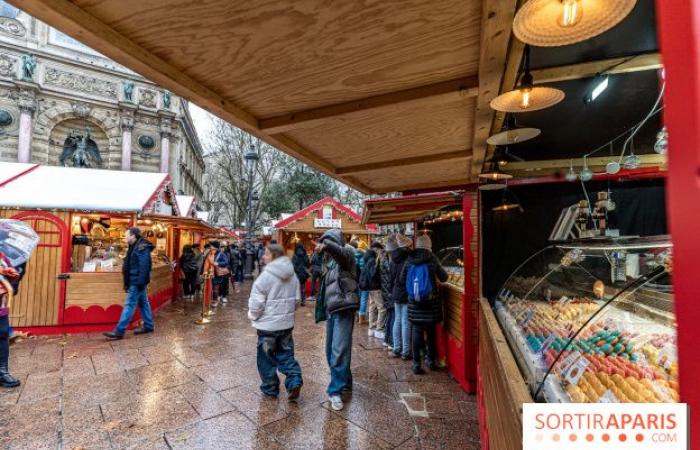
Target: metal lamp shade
513,136
548,23
540,98
494,174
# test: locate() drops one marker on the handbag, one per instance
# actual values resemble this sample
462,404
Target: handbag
222,271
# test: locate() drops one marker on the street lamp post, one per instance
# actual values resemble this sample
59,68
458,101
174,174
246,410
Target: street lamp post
251,159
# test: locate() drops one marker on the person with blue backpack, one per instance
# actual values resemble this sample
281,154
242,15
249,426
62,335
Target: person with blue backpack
420,277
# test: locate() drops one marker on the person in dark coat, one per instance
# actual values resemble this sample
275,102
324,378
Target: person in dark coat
387,284
370,281
190,271
301,262
316,271
339,294
236,267
136,271
10,278
399,296
426,314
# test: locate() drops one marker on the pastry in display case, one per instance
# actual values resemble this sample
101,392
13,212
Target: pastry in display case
451,259
592,321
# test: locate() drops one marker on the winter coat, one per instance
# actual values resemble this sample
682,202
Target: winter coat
236,259
188,262
317,263
429,311
274,296
370,276
385,280
398,289
301,263
359,262
136,269
340,277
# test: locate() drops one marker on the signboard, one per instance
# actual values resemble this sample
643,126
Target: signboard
582,426
327,212
327,223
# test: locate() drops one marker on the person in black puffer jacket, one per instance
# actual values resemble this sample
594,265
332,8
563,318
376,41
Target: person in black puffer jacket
339,293
424,315
301,268
399,296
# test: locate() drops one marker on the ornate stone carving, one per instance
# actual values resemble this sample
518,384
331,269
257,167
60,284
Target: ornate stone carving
166,127
7,66
147,121
148,98
12,27
27,100
28,67
81,109
127,121
128,90
146,142
83,83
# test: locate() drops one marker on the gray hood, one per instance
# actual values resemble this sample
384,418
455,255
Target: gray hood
335,235
281,268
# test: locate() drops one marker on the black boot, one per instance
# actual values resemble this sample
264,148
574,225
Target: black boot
7,380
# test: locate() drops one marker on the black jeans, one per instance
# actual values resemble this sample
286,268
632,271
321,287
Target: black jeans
4,341
189,284
315,278
418,341
389,327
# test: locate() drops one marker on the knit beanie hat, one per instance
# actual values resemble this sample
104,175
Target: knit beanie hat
424,241
403,241
391,244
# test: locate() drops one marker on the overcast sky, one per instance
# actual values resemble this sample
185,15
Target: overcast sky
202,123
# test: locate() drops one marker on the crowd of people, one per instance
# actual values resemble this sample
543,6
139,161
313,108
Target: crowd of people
392,287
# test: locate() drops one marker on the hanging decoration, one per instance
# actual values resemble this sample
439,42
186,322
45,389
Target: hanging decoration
450,216
527,97
553,23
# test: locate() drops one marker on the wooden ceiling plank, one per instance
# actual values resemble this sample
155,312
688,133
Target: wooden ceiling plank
639,63
74,21
419,186
460,154
496,30
464,87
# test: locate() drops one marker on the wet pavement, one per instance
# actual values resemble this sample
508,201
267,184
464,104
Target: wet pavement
191,386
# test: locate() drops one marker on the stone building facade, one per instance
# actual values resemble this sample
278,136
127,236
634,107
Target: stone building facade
62,103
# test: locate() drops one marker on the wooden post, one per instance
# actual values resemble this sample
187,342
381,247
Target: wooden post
679,30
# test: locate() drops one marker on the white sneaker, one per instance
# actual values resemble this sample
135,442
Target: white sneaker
370,332
224,299
336,402
379,334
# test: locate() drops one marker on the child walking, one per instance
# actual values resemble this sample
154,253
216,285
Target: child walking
273,301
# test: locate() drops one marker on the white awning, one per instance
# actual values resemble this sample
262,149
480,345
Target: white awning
184,203
51,187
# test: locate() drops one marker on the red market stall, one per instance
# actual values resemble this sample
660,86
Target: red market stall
74,280
451,219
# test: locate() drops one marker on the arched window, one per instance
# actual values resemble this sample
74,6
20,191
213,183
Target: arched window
7,10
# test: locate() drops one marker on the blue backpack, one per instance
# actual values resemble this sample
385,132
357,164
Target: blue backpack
418,284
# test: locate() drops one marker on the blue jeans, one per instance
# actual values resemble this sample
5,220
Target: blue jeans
389,327
276,352
364,296
239,274
135,298
402,335
339,327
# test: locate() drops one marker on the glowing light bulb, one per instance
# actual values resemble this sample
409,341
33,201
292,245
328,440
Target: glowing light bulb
525,98
571,13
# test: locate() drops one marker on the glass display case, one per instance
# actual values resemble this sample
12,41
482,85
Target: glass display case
593,321
451,259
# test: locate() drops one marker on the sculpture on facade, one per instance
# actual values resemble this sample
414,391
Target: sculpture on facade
79,150
28,66
166,99
128,90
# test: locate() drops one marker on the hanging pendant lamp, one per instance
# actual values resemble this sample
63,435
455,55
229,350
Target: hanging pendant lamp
494,173
552,23
527,97
511,134
508,204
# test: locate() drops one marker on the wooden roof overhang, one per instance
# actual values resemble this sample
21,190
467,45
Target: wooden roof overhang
383,96
408,208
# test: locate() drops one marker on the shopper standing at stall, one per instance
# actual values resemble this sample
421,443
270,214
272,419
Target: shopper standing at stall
370,281
316,271
402,338
236,268
387,284
136,270
337,304
420,277
301,268
221,274
271,307
190,271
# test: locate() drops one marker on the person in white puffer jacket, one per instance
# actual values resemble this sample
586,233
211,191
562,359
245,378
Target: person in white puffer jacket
271,307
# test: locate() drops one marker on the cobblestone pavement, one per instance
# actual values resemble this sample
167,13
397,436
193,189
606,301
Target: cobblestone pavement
190,386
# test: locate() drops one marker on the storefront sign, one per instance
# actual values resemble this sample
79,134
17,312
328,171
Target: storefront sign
593,426
327,223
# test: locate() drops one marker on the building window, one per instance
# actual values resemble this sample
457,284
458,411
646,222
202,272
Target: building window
7,10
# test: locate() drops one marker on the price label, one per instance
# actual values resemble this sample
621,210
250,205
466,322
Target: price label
608,397
576,370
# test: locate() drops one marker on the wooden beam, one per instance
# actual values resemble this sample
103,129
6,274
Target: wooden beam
460,154
599,161
648,61
456,184
69,18
464,87
496,30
